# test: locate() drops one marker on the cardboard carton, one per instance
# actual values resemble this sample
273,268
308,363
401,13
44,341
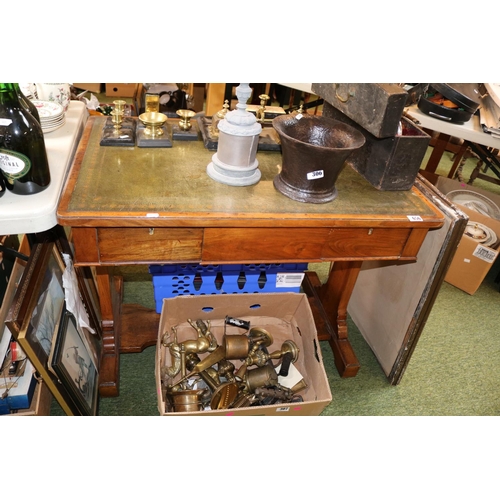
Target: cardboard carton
286,316
121,89
96,88
472,260
40,403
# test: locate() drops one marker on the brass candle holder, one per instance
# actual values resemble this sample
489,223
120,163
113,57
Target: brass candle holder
185,121
117,114
154,123
120,105
117,119
217,117
118,130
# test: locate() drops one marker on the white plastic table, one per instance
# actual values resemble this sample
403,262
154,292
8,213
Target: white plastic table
37,212
469,131
473,136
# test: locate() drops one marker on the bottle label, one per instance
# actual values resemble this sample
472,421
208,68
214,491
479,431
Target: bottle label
14,165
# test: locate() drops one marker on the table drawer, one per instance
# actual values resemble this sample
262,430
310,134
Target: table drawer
137,245
304,244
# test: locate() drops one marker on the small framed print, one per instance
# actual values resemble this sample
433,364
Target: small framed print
74,365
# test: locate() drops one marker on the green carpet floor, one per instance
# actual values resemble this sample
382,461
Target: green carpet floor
453,371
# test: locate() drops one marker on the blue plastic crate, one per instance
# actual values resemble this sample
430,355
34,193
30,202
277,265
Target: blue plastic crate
172,280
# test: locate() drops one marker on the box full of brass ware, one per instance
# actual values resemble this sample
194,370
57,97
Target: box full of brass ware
239,355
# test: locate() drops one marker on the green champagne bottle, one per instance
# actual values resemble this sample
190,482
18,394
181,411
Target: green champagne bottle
27,103
23,157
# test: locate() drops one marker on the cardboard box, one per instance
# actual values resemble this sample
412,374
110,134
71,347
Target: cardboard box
40,404
121,89
446,185
20,389
285,316
472,260
96,88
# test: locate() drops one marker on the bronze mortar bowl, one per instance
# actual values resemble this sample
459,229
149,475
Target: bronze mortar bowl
314,150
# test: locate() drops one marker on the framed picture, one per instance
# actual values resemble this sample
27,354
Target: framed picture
36,312
74,365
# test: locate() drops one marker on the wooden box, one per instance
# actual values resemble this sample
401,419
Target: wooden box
377,107
390,163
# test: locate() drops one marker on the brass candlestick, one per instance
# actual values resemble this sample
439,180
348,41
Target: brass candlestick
118,130
117,114
261,112
153,123
117,119
214,129
185,121
120,105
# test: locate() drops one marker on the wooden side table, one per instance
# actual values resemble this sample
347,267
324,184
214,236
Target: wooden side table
144,206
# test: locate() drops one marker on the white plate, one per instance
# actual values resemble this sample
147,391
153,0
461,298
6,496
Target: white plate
475,201
52,121
46,130
48,109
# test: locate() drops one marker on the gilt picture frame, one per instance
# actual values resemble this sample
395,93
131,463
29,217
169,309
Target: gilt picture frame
74,365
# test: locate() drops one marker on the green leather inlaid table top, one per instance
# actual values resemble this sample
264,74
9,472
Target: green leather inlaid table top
140,182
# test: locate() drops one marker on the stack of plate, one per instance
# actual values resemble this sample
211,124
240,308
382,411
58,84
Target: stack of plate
51,115
475,201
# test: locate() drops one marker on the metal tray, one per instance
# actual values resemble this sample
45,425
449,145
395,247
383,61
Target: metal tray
442,112
464,95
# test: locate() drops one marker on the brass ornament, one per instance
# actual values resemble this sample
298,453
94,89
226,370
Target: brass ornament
185,121
202,376
154,123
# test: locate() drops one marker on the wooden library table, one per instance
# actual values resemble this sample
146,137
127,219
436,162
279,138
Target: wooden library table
129,205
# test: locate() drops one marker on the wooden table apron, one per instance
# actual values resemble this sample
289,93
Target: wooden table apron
129,205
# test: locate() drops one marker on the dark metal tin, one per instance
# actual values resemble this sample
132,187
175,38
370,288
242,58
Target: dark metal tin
443,112
391,163
464,95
